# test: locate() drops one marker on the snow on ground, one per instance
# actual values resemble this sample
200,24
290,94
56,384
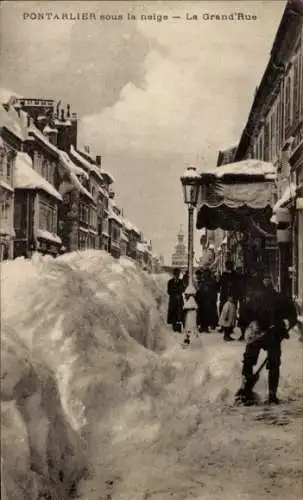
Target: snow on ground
94,386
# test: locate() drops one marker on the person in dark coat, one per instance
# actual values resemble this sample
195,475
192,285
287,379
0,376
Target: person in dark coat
175,302
206,298
264,317
213,298
185,281
199,298
227,285
240,297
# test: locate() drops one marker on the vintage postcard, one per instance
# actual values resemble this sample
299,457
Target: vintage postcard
151,249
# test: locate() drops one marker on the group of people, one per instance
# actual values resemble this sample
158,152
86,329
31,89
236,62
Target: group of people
229,287
264,316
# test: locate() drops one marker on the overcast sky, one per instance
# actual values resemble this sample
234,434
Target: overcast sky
151,96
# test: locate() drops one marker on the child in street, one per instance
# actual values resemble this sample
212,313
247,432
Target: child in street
228,318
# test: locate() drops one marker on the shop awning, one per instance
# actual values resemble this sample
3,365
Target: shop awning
235,195
249,170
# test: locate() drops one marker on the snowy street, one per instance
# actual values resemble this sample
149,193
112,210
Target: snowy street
99,398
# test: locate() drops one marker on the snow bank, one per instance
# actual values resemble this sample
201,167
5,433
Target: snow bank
92,379
72,327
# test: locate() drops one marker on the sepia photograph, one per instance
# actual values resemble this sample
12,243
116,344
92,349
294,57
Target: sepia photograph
151,249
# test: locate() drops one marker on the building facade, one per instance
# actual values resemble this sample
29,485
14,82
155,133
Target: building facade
11,138
273,133
54,196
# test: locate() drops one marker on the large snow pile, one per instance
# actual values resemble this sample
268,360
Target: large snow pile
71,328
94,385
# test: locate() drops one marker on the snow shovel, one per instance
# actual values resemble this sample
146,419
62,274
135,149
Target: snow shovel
245,394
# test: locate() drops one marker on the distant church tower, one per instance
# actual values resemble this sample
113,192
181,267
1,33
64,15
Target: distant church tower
179,257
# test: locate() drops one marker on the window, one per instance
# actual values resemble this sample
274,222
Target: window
3,161
115,232
92,241
4,212
296,91
266,141
47,217
84,213
273,139
278,127
93,218
259,146
20,216
82,240
105,226
9,168
44,163
287,100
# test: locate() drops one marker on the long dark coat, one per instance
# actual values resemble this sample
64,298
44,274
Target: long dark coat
206,298
175,301
227,287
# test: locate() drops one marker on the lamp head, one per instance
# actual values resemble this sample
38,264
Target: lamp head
190,185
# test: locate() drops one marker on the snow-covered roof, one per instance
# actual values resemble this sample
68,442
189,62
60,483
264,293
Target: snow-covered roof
124,236
36,132
141,247
47,130
103,191
11,121
74,182
70,166
115,217
108,175
248,168
6,186
46,235
86,164
288,194
27,178
130,226
89,165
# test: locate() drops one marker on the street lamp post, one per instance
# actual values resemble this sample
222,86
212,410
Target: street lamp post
190,185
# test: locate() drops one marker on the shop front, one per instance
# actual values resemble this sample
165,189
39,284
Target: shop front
238,198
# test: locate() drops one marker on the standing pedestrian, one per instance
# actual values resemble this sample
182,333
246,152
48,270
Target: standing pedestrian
206,298
175,301
240,297
226,285
227,318
200,300
265,315
185,280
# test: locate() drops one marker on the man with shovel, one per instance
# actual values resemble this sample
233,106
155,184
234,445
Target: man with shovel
264,316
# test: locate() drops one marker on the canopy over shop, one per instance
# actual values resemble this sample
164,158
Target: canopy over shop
238,197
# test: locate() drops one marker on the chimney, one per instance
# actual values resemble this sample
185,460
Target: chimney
98,160
62,115
86,149
68,111
74,130
57,109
